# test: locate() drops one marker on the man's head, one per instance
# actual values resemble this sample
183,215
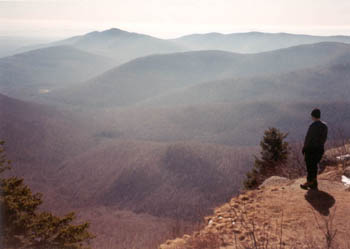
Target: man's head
316,114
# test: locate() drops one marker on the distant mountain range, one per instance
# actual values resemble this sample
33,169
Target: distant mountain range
325,82
39,71
251,42
120,45
228,111
12,45
124,46
140,132
152,76
68,62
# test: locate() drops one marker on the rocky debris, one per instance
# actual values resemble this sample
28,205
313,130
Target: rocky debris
234,221
259,216
347,172
275,180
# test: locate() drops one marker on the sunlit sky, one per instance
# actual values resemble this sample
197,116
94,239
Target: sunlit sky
173,18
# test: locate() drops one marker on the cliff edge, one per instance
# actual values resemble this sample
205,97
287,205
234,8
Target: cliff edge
279,215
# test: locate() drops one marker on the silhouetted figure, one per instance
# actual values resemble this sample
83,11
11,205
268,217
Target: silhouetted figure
313,149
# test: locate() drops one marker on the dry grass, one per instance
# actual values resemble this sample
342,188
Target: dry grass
285,217
209,241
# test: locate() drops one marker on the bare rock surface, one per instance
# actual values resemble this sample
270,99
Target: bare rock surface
275,180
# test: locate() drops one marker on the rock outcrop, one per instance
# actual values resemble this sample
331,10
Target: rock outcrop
274,181
278,213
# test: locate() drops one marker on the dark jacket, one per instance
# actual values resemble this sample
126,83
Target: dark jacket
315,138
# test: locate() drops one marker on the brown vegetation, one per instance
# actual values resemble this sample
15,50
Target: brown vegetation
165,180
281,216
166,186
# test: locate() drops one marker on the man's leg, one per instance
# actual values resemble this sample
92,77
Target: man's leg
311,165
312,160
310,171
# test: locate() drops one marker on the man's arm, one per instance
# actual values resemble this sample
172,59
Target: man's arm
307,141
325,134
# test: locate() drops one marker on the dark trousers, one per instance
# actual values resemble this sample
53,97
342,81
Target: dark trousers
312,160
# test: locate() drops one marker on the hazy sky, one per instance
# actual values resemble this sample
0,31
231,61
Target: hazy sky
172,18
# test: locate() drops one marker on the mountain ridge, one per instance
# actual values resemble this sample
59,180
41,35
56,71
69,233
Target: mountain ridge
252,42
248,42
26,74
288,85
153,75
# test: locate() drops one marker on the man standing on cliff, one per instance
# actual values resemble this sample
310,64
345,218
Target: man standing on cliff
314,148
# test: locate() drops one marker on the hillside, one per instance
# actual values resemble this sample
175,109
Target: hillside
235,125
154,75
331,79
233,111
161,179
222,122
123,187
30,74
10,44
135,193
278,215
38,138
120,45
251,42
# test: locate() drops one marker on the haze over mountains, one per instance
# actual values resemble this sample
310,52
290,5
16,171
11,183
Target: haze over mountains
141,130
251,42
11,45
150,76
79,166
38,138
39,71
331,80
124,46
118,44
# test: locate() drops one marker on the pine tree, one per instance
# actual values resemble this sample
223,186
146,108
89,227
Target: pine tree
24,227
274,153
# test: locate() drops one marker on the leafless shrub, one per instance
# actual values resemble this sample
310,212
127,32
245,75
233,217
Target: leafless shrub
258,238
328,229
340,144
295,167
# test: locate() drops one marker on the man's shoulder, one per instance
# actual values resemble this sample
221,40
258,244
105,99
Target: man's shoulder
323,123
319,123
